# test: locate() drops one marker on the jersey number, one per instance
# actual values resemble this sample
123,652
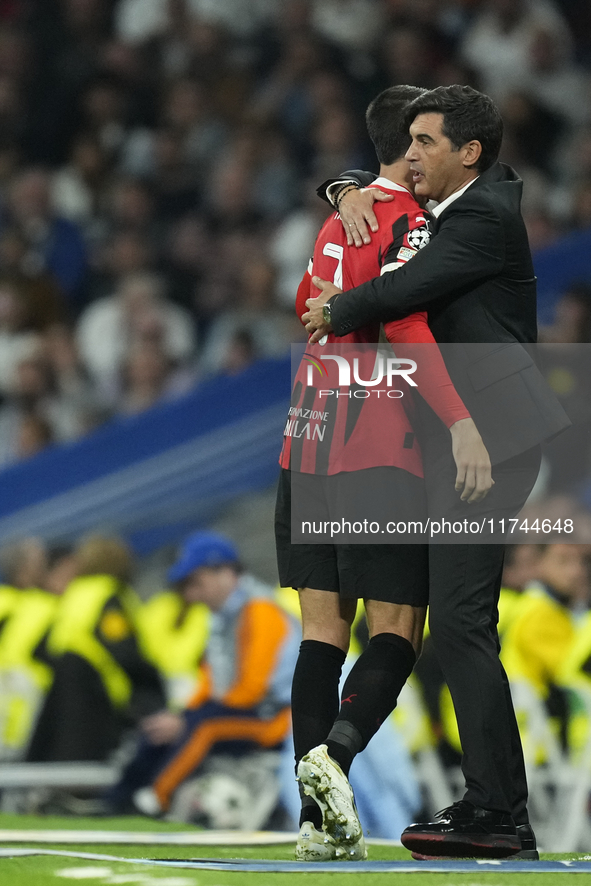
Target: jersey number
335,251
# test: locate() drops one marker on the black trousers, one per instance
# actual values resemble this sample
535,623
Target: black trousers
464,585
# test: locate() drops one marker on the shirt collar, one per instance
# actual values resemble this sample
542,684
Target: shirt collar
437,208
383,182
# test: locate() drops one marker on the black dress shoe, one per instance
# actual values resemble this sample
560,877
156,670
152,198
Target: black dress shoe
465,831
527,838
528,851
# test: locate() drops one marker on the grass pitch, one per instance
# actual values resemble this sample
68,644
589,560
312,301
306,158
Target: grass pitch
58,871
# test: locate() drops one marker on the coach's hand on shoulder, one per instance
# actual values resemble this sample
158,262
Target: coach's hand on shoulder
473,478
357,215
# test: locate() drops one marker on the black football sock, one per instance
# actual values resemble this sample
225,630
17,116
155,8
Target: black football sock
311,812
314,705
315,694
369,695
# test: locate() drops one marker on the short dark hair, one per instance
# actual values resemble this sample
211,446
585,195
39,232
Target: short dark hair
467,114
386,124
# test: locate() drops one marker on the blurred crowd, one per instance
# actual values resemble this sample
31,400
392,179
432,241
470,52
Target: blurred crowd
545,632
168,690
158,164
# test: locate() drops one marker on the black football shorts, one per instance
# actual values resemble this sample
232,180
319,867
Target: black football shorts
391,573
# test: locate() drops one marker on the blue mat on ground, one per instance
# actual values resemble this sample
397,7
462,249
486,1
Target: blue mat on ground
294,867
386,867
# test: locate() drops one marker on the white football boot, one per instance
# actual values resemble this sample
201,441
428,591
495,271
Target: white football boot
324,781
314,845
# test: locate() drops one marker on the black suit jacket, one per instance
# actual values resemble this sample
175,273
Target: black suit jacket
476,280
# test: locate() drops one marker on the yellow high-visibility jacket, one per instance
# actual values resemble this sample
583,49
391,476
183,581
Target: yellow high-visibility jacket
9,598
97,616
538,639
174,637
26,671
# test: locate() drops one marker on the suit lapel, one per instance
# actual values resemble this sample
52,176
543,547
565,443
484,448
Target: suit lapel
431,222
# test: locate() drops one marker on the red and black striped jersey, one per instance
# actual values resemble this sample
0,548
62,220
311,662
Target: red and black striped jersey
331,426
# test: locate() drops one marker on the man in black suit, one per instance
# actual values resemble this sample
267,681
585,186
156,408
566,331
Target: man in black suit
477,283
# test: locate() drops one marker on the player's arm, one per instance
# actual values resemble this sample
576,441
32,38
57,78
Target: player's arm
412,339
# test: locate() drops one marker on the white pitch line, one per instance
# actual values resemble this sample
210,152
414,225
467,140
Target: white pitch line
147,838
85,873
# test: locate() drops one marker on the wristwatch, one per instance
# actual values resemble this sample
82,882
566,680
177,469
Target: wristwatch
327,309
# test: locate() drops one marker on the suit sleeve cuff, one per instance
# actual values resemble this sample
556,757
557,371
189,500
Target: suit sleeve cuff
355,176
337,328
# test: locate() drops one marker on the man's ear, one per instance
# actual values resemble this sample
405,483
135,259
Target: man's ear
472,151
